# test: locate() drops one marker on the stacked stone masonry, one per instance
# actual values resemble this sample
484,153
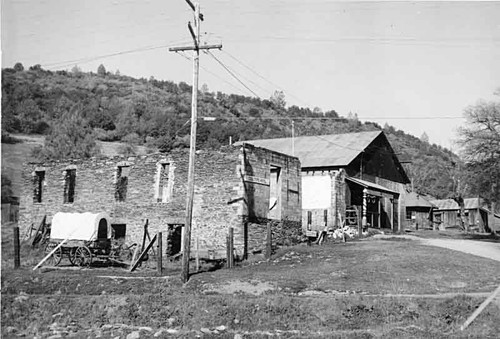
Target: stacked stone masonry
232,189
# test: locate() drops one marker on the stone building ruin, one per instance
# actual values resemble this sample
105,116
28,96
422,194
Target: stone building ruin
243,187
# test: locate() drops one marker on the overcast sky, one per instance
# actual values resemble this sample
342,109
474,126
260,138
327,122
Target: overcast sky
415,65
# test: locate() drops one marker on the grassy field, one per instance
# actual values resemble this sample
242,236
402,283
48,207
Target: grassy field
358,289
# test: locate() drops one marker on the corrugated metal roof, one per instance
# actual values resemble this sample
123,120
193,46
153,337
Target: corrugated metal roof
321,150
413,199
371,185
450,204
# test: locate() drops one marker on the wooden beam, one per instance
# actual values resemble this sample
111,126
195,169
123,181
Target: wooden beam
143,254
480,308
194,48
51,252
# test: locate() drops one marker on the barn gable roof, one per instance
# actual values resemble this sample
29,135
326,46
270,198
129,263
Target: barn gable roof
328,151
337,150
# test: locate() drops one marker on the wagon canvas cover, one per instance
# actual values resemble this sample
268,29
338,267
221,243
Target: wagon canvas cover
78,226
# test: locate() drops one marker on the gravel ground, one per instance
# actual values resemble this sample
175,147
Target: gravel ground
485,249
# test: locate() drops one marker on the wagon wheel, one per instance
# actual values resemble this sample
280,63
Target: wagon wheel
56,257
71,256
82,256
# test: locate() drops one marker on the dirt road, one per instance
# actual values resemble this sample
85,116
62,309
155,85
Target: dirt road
485,249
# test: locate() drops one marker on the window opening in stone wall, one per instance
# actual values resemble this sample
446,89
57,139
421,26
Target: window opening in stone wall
38,181
119,231
69,185
121,183
163,184
309,220
275,193
325,217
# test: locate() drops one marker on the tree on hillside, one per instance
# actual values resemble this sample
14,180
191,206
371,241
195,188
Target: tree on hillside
76,70
480,141
278,99
70,137
424,138
30,117
18,67
101,70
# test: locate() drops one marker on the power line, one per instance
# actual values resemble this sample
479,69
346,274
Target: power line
252,82
208,71
232,74
89,59
263,78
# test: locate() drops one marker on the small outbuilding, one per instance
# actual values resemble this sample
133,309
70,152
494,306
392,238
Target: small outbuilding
418,212
447,214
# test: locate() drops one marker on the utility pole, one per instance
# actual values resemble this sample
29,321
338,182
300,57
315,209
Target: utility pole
195,33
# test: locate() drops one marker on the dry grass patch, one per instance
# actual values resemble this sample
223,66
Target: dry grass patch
303,291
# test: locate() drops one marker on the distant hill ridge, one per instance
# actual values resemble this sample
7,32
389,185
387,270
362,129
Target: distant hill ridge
155,114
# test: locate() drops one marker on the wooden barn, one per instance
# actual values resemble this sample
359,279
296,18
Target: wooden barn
447,214
344,175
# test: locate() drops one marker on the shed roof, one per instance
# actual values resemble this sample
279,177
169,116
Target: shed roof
413,199
450,204
335,150
371,185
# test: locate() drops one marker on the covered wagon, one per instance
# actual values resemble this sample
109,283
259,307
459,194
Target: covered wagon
86,236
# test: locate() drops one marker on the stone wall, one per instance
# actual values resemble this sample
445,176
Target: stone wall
220,197
256,193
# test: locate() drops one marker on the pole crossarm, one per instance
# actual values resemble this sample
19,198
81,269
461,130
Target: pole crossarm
194,48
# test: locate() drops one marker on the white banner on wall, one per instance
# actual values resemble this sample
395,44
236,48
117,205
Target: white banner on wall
316,192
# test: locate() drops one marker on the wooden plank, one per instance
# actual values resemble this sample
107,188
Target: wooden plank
48,255
480,308
134,256
143,254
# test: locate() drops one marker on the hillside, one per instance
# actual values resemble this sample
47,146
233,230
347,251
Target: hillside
15,154
155,114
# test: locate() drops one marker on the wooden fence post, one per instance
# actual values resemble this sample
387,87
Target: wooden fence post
197,254
231,248
269,241
17,251
160,253
360,226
